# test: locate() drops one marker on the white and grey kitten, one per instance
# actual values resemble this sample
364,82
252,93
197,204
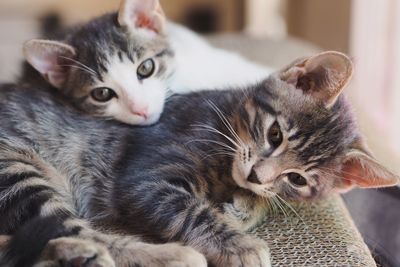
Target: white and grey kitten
124,66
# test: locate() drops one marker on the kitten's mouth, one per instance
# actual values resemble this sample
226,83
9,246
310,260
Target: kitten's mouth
253,177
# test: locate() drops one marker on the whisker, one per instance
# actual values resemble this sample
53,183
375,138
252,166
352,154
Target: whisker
217,154
272,205
226,122
211,141
76,67
291,208
332,175
341,172
212,129
80,64
336,174
279,205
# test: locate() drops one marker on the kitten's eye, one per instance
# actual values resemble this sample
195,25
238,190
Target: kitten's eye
146,69
103,94
297,179
275,136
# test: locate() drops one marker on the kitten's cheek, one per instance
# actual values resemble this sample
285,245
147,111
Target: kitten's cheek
238,175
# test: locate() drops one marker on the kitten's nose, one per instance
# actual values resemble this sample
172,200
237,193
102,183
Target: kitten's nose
140,111
253,177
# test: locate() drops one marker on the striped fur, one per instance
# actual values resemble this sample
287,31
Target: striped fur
200,177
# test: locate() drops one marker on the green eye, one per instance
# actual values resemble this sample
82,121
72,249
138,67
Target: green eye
146,69
102,94
275,136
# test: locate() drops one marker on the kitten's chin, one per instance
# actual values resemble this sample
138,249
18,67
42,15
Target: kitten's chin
152,119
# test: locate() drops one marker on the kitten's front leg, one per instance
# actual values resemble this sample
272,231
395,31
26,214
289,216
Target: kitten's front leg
245,209
216,236
242,250
198,223
36,207
94,249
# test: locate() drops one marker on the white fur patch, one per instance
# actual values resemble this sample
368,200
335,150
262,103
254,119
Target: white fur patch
133,93
201,66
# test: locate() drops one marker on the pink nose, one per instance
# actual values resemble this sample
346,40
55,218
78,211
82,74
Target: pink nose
141,111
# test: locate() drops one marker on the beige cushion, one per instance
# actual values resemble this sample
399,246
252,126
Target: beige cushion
320,234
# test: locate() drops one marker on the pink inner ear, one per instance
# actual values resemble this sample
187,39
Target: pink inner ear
51,68
366,175
353,174
143,21
44,65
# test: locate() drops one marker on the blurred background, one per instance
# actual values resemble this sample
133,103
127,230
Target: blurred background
368,30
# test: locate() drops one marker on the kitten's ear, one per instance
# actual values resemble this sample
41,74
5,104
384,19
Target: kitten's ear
142,14
49,58
359,168
323,76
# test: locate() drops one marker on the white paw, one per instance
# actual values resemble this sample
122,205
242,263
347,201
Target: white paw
75,252
245,251
173,255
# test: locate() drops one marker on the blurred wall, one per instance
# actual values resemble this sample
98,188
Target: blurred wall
202,15
207,15
72,10
325,23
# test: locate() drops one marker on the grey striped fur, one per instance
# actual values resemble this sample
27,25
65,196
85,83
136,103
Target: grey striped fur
201,176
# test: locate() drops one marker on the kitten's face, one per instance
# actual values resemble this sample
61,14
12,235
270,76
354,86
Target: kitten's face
300,144
291,147
130,74
115,66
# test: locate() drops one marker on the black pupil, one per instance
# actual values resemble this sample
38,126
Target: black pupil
102,94
275,135
146,69
297,179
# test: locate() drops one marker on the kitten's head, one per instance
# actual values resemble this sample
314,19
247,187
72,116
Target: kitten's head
114,66
298,137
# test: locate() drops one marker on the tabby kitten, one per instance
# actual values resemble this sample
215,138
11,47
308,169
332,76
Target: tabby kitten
64,175
124,66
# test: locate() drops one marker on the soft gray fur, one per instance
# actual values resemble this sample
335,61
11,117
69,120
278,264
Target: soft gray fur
69,181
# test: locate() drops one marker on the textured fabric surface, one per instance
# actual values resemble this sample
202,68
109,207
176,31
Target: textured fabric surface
315,234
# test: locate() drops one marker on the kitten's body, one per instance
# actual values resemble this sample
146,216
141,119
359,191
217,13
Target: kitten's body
200,65
171,181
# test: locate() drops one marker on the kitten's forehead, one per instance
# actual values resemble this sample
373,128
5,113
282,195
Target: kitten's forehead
101,39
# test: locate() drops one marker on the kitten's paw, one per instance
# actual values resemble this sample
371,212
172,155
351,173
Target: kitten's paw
73,252
235,212
171,255
245,210
245,251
